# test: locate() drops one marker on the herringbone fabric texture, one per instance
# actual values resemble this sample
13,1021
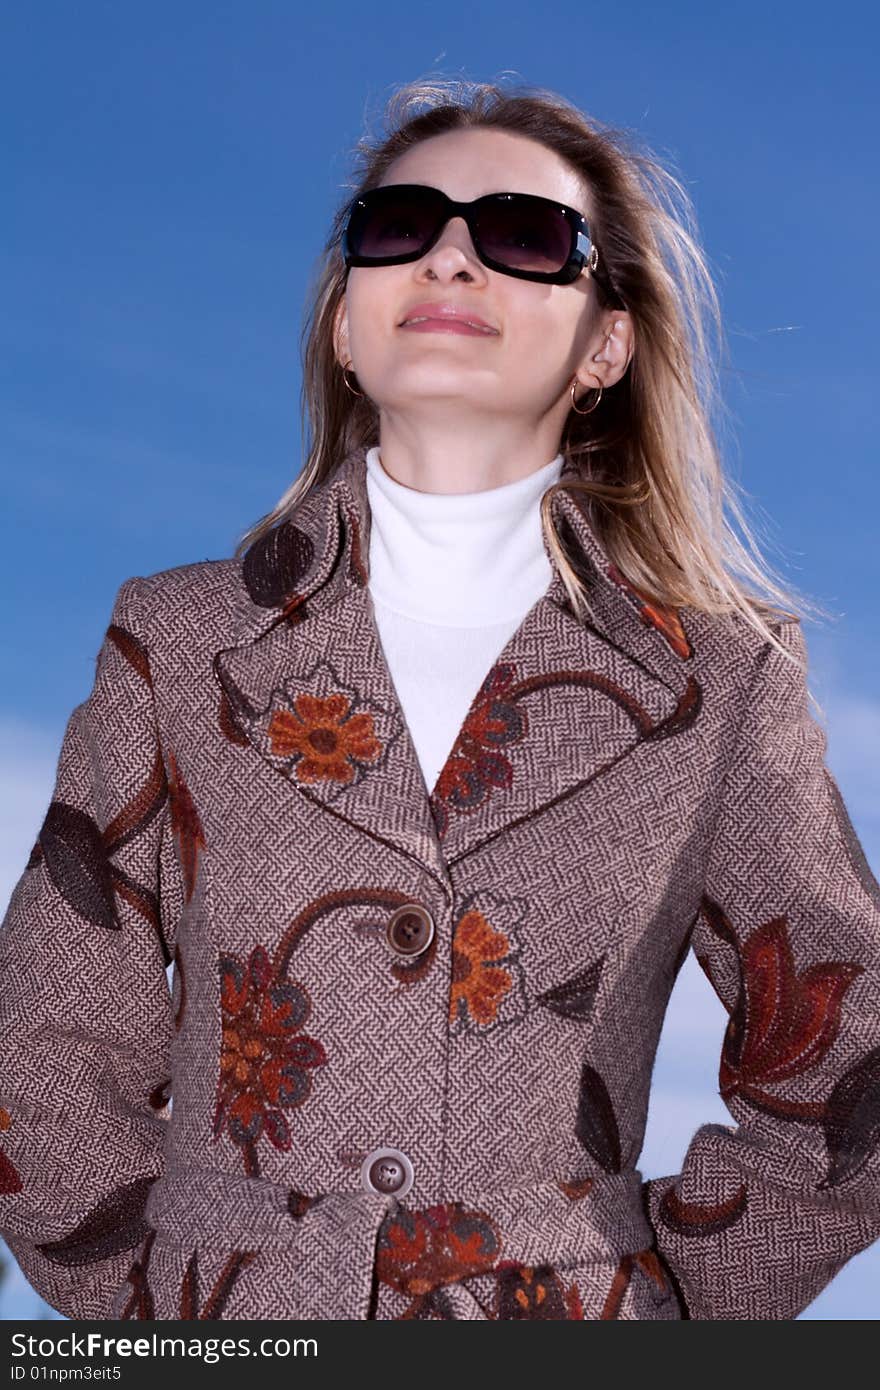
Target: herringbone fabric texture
239,794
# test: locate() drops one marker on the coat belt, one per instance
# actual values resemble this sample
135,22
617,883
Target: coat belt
323,1249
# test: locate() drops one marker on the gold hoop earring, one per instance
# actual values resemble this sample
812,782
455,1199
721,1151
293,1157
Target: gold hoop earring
574,405
345,370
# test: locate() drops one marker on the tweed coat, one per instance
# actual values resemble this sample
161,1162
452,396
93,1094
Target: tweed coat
472,977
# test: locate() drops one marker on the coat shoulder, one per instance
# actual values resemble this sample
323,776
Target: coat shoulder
192,603
727,648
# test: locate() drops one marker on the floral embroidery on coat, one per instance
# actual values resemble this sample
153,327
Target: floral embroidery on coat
476,765
702,1218
648,1264
276,566
665,619
72,846
324,738
79,856
535,1292
141,1305
575,997
852,1120
186,825
479,983
229,726
9,1180
595,1121
576,1189
378,905
356,567
536,1130
267,1061
422,1252
191,1306
783,1024
417,1252
114,1224
784,1021
487,986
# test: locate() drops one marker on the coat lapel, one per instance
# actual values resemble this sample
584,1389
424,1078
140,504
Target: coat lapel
306,685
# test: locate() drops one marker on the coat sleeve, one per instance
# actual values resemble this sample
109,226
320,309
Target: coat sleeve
85,1007
764,1214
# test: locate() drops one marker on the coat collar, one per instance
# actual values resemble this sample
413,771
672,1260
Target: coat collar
306,685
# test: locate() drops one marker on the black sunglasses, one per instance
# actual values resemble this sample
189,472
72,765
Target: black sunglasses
515,233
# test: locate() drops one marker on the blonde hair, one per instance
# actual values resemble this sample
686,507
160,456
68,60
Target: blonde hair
654,485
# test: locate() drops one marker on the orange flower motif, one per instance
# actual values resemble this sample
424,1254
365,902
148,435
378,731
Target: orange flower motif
419,1251
241,1057
477,987
324,738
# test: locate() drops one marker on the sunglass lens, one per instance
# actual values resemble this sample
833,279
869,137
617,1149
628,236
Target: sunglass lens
392,224
525,236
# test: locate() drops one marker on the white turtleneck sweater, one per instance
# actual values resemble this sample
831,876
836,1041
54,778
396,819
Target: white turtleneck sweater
452,575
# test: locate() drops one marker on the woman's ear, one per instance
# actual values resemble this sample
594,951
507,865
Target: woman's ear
609,352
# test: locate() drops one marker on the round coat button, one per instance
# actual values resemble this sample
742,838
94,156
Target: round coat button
410,929
387,1171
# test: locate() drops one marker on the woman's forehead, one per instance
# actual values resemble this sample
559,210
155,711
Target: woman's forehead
466,164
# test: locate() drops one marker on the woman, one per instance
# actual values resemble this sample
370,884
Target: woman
428,791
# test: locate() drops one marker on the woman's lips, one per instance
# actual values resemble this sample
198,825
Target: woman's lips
448,326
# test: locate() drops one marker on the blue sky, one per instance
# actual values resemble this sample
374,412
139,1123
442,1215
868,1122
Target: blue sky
173,170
